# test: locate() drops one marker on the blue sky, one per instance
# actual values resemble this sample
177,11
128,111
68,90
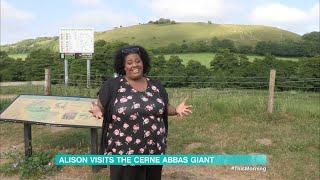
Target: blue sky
24,19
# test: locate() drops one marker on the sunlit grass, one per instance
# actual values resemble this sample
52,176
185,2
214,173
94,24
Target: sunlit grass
223,121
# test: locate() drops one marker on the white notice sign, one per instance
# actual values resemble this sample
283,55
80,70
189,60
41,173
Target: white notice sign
76,40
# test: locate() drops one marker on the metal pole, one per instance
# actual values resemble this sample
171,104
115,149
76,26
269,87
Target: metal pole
88,73
66,77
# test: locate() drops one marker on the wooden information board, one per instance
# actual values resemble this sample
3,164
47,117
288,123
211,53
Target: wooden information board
54,110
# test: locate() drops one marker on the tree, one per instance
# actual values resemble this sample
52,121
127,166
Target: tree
309,67
214,44
261,67
196,72
173,48
159,66
226,63
311,43
245,49
10,68
14,71
103,57
198,46
227,44
40,59
176,71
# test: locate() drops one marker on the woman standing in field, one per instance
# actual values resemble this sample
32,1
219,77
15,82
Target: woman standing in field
135,110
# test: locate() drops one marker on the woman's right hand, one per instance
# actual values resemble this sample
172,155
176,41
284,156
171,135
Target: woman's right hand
96,111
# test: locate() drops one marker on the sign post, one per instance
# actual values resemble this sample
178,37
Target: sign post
66,74
78,43
88,73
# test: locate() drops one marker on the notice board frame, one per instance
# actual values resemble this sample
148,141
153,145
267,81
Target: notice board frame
28,133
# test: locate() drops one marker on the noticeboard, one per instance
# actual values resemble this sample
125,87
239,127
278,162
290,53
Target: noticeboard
54,110
72,40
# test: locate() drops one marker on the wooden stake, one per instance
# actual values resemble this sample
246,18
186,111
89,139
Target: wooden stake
27,140
271,90
47,82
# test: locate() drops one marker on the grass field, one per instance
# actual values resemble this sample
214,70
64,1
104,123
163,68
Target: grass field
205,58
224,121
160,35
17,56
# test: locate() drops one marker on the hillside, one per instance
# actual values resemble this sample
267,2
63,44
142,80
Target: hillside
158,35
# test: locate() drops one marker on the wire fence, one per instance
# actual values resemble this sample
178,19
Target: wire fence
77,84
293,93
260,83
218,83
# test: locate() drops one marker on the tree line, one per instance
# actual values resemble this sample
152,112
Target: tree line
226,66
309,46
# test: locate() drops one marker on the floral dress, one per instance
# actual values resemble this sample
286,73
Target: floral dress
137,125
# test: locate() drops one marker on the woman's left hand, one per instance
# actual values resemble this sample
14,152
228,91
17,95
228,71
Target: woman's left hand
183,109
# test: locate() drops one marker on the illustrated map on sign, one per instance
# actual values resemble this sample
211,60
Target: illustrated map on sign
59,110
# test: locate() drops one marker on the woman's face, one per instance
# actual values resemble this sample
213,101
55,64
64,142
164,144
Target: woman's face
133,66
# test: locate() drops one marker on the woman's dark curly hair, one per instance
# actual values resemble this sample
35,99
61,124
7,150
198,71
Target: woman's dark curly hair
121,54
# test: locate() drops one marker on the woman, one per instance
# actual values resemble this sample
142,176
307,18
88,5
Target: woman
135,110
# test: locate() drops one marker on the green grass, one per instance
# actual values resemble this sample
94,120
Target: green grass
205,58
223,121
19,56
153,36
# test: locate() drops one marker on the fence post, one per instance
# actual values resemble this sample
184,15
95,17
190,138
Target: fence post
47,82
27,140
94,146
271,90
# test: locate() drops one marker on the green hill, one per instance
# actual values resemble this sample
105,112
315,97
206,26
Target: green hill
158,35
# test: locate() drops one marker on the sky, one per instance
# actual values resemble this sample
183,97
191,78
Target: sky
25,19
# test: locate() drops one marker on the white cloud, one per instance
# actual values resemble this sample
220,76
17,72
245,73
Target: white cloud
278,13
190,10
105,18
15,23
285,17
87,2
8,12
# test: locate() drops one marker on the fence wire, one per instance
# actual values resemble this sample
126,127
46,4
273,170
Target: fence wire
237,94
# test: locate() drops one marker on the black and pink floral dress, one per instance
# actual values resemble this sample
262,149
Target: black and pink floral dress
137,125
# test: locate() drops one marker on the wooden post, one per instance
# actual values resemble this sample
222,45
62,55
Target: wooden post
27,140
94,145
271,90
47,82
